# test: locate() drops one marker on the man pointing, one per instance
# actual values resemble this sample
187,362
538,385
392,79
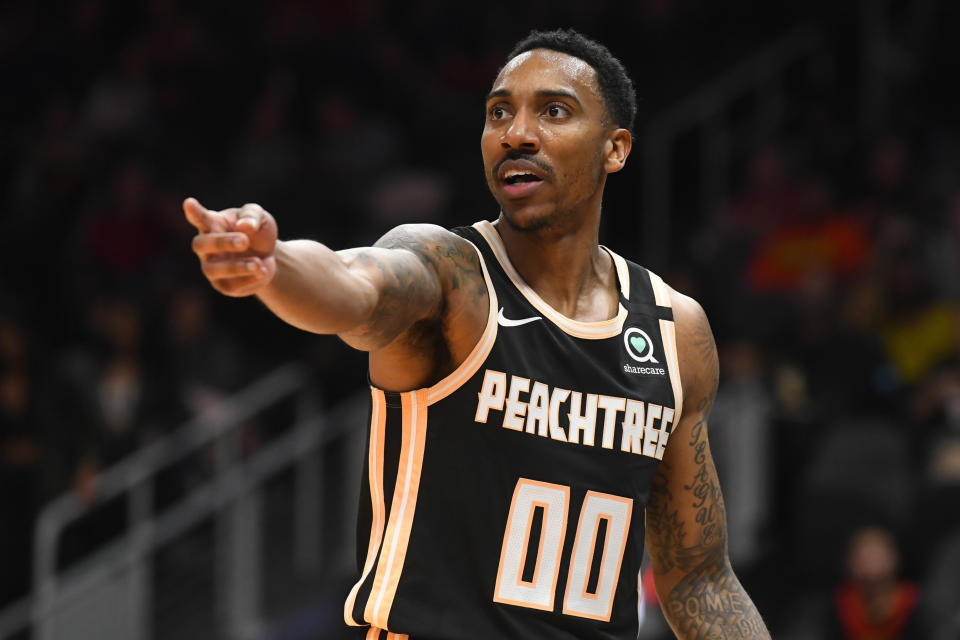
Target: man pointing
539,404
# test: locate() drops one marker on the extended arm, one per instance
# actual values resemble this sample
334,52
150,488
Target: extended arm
392,299
686,522
368,296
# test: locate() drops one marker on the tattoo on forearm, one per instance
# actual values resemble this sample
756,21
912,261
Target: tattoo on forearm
668,543
710,604
707,499
665,529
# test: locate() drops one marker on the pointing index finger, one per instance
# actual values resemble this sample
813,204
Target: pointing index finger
197,214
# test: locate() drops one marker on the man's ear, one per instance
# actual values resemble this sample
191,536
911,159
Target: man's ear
616,150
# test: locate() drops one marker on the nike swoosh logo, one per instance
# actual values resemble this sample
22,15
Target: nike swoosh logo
507,322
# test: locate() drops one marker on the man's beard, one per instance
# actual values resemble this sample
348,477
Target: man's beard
540,223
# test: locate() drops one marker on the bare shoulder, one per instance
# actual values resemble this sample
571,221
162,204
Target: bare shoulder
696,350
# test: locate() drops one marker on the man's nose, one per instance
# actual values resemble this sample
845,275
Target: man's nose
522,134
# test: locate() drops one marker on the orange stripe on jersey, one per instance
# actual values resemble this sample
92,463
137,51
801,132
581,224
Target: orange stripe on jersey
378,420
397,636
373,634
394,551
480,352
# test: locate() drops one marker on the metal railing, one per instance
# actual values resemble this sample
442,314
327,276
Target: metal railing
705,111
107,594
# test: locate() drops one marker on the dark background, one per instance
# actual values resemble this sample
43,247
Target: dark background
827,261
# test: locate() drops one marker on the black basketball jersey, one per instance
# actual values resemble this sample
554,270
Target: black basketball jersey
507,500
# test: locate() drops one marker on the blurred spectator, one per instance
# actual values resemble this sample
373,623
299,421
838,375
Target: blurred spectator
816,241
51,170
873,603
202,365
887,187
920,331
121,237
354,150
111,397
740,438
858,470
845,365
119,104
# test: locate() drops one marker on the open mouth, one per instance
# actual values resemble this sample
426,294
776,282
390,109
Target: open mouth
519,178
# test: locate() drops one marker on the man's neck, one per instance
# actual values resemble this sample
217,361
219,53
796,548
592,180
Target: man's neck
566,267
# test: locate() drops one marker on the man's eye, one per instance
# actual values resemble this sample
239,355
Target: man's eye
557,111
497,113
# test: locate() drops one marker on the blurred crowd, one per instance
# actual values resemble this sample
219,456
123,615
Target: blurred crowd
830,274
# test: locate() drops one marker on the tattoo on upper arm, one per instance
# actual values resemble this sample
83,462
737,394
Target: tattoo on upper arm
463,264
706,350
402,285
453,267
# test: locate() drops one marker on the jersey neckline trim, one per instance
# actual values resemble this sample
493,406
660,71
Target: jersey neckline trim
587,330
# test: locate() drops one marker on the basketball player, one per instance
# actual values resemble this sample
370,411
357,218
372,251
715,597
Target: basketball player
538,403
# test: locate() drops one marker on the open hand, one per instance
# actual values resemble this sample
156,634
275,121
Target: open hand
235,246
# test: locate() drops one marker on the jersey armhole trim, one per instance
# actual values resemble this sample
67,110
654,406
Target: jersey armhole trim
668,333
481,350
623,273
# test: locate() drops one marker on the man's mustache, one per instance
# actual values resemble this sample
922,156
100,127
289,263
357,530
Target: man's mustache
513,154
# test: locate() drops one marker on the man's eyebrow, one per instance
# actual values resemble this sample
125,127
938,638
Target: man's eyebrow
539,93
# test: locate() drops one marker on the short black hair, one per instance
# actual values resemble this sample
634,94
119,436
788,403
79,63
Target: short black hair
616,88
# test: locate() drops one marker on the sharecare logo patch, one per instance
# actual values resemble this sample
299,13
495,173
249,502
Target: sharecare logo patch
639,346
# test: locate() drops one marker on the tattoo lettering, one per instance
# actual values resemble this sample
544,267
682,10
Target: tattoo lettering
668,543
710,604
707,499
